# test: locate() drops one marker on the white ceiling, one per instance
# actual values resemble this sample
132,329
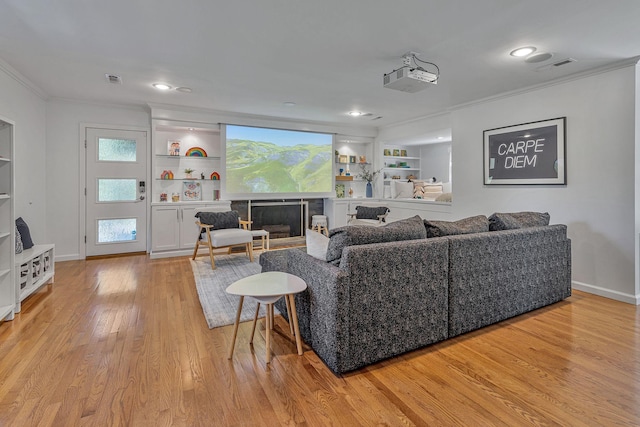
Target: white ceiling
327,56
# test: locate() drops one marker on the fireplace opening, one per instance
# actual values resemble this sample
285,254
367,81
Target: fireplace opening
282,218
279,220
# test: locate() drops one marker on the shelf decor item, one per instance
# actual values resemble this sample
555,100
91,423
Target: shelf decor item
352,159
343,158
528,153
215,176
340,191
369,176
369,190
173,147
363,159
403,153
166,175
387,152
191,191
396,152
188,172
196,152
163,196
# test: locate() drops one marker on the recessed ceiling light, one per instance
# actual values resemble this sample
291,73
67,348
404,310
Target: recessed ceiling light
161,86
190,128
355,113
289,104
523,51
538,57
184,89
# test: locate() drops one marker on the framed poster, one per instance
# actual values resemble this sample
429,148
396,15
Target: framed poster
191,190
528,153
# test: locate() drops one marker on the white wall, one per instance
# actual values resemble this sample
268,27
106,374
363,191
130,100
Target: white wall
25,105
64,120
435,161
597,203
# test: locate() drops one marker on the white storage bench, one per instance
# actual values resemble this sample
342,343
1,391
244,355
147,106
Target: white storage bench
35,267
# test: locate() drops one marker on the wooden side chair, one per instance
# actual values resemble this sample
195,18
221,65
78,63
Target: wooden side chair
222,230
369,215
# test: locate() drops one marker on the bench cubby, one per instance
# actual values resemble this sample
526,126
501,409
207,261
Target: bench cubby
35,267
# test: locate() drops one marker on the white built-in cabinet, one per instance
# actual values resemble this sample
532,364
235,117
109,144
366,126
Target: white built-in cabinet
7,223
173,227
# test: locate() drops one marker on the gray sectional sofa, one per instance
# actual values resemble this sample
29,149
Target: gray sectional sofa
378,300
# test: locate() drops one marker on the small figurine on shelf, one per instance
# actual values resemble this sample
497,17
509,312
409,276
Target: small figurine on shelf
363,159
175,197
201,175
350,192
163,196
188,171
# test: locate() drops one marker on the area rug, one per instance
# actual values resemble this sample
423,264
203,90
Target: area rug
219,307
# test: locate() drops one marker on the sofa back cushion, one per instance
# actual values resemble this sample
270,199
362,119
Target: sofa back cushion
340,238
514,220
474,224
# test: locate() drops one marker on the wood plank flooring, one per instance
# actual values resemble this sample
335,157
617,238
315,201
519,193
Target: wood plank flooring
123,342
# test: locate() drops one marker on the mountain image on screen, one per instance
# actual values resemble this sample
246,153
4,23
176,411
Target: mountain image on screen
265,167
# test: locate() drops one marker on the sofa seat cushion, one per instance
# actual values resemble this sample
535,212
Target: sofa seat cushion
514,220
340,238
474,224
230,236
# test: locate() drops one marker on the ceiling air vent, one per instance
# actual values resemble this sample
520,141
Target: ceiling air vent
563,62
112,78
376,118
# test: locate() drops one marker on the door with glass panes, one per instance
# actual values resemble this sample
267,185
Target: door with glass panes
116,206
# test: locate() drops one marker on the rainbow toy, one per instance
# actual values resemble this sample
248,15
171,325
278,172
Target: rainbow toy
215,176
196,152
166,175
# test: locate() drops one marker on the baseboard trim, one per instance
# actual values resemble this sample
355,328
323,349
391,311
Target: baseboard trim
607,293
170,254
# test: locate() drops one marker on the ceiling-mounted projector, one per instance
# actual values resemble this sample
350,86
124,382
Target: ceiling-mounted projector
410,78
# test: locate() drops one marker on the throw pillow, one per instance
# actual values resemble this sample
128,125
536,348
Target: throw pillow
403,190
317,244
219,220
474,224
367,212
340,238
511,221
418,189
18,241
25,235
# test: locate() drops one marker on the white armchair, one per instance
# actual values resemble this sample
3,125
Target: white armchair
222,230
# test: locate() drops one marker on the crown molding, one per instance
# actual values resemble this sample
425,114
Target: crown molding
15,75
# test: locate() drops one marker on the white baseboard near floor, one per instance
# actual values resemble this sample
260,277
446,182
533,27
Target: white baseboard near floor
607,293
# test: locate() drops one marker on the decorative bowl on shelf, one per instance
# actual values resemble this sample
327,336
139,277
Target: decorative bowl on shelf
391,165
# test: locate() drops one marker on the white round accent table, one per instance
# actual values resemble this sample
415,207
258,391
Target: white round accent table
268,288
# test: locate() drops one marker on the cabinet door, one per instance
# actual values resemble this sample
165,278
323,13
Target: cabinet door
165,226
188,229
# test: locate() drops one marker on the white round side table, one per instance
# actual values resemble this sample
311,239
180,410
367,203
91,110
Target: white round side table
267,288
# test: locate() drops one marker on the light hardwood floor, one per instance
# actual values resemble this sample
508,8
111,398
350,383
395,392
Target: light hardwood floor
122,341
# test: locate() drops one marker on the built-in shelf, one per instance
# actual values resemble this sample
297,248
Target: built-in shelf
401,169
188,179
4,196
188,157
401,158
3,235
4,159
